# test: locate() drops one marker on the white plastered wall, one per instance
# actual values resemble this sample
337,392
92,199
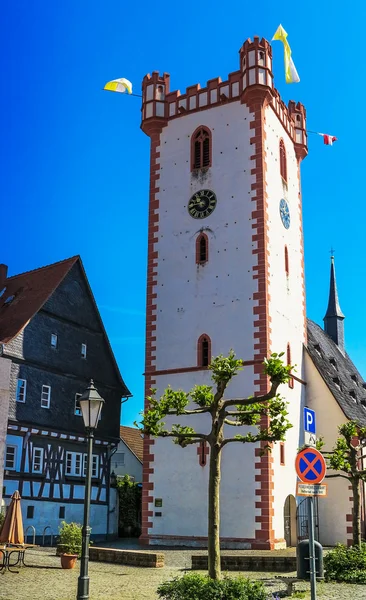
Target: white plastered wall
334,508
216,299
286,299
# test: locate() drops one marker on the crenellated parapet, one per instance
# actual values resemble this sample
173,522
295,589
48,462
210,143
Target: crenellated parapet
254,79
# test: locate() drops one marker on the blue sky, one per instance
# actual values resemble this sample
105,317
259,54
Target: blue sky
75,164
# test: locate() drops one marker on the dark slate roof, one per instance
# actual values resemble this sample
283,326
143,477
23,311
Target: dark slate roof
339,373
25,294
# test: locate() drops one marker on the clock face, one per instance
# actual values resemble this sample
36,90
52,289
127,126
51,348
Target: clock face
285,214
202,204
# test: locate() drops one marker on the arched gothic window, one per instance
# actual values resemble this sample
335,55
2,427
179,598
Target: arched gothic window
201,149
283,161
203,351
288,356
201,249
287,267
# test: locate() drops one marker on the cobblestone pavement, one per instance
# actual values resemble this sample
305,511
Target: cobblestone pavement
47,581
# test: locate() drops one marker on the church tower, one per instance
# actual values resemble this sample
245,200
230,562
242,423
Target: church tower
225,270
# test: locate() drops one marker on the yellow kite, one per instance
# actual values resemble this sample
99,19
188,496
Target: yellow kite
119,85
290,69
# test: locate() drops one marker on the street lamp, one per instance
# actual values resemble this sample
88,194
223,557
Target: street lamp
91,406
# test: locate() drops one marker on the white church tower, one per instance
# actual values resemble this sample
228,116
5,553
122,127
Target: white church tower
225,270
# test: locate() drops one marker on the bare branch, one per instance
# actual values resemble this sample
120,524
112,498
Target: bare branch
248,401
183,436
229,440
189,412
233,423
332,476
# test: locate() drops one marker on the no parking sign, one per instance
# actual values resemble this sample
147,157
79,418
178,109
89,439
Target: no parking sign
310,466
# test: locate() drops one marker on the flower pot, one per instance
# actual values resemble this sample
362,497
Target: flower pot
68,561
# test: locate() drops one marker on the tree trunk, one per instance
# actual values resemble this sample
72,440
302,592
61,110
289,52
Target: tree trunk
356,520
214,559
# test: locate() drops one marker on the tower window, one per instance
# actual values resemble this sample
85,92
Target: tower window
261,58
204,351
283,161
202,249
282,453
287,267
288,356
201,149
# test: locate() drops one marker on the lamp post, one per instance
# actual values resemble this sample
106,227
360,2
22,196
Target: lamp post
91,405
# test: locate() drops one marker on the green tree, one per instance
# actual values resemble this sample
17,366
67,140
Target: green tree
347,457
266,415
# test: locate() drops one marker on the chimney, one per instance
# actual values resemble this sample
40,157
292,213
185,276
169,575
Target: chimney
3,275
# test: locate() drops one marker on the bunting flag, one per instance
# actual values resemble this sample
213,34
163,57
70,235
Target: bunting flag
291,74
119,85
328,139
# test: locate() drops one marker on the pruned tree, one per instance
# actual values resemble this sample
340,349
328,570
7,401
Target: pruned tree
347,457
234,412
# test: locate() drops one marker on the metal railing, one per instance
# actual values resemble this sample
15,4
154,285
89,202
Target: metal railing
44,535
34,534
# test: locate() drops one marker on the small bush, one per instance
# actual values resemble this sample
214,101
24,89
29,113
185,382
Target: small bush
200,587
70,538
346,564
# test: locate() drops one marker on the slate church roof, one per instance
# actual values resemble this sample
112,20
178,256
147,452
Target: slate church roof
338,372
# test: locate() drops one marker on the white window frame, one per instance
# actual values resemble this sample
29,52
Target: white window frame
77,410
19,389
40,452
75,460
15,448
95,465
54,340
83,350
46,400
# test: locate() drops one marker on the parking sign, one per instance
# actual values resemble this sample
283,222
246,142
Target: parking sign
309,420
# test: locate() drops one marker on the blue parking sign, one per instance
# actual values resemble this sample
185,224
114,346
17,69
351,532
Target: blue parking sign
309,420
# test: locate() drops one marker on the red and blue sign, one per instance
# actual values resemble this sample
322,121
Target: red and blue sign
310,466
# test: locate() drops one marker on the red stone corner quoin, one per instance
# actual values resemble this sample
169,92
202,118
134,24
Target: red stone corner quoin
251,85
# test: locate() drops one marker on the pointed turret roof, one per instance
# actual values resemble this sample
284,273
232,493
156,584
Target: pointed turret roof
333,310
333,320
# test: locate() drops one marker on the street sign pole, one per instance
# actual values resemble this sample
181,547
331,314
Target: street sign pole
312,560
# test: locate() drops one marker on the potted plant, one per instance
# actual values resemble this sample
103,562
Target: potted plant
70,544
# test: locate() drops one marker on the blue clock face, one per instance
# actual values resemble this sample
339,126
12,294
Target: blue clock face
285,214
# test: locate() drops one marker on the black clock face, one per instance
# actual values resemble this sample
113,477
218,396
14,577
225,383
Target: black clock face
202,204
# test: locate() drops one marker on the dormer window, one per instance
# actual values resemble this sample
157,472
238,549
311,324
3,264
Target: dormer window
353,395
333,363
354,379
337,382
318,350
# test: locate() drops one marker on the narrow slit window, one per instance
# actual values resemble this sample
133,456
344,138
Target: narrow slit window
287,267
201,149
83,350
53,340
77,410
282,453
21,390
204,351
283,161
288,353
46,396
202,249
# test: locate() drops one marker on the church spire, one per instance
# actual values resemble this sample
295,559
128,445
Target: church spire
333,320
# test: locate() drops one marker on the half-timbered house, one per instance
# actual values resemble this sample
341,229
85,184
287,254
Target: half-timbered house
52,333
